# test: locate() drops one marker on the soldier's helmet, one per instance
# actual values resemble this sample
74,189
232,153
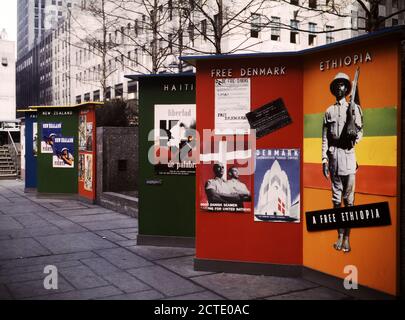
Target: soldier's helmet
339,78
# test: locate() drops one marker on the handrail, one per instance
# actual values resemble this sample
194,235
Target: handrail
12,141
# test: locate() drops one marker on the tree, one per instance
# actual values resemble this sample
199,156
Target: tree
369,12
216,20
91,26
373,20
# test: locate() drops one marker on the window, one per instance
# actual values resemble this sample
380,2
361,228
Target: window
255,25
191,33
204,28
294,2
122,165
4,62
170,7
170,45
136,26
394,22
329,34
275,28
218,21
395,3
96,95
311,36
312,4
294,35
118,91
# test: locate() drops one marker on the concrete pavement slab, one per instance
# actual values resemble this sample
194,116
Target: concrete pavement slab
97,217
204,295
5,293
109,225
33,232
165,281
86,294
80,211
47,260
319,293
123,258
125,282
14,273
17,248
31,221
8,223
100,266
127,243
183,266
156,253
125,231
11,209
131,235
35,288
143,295
246,287
67,243
82,277
112,236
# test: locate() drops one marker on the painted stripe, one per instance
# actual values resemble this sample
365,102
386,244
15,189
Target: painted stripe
377,122
371,151
369,179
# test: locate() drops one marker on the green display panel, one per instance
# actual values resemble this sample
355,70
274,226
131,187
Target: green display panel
57,161
166,199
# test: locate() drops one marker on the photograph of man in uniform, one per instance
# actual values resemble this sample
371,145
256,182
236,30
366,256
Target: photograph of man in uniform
338,149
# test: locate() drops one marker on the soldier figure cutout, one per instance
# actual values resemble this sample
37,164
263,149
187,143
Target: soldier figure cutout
342,130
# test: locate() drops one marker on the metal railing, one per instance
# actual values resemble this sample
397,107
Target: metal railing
14,153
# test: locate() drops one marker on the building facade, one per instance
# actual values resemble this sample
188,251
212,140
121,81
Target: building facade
35,18
79,63
7,80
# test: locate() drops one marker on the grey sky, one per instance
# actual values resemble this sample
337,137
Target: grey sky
8,18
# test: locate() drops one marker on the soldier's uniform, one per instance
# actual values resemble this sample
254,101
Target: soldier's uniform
339,153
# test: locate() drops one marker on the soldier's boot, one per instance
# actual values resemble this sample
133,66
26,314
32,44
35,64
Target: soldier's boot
339,242
346,241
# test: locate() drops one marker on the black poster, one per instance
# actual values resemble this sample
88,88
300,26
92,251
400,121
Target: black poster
269,118
369,215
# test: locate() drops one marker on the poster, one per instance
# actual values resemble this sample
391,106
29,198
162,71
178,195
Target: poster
269,118
88,172
277,185
232,103
89,136
81,167
63,156
82,132
49,132
35,138
224,189
175,141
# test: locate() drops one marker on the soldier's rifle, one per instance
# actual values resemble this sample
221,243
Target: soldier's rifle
351,129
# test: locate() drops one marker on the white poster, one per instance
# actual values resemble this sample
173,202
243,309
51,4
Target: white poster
35,138
88,172
175,126
232,102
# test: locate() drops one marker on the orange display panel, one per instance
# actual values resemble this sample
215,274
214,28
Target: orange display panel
374,250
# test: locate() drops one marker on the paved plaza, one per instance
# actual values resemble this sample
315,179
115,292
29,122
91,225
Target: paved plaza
95,252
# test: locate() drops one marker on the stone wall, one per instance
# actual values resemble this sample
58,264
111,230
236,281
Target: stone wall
117,159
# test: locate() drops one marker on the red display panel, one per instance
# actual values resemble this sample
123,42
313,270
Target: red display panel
238,237
87,154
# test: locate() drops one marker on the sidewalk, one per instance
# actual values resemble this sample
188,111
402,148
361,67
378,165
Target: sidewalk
97,257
